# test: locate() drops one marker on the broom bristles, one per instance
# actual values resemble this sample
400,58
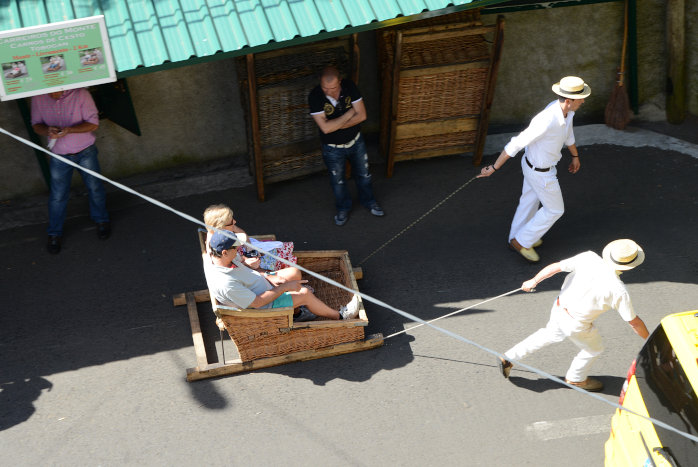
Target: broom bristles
618,112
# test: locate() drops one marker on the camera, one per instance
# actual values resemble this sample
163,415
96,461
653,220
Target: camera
251,254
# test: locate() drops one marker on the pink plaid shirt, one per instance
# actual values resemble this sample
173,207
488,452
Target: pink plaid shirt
74,107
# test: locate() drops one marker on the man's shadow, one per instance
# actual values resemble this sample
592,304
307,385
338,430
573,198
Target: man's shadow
17,399
612,385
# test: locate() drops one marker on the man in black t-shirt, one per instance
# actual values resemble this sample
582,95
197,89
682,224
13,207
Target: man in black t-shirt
338,109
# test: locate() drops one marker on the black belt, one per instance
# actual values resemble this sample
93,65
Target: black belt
535,168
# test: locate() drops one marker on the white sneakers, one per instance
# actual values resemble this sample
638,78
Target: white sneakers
351,309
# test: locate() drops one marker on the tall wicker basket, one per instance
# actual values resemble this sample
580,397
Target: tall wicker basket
438,84
282,138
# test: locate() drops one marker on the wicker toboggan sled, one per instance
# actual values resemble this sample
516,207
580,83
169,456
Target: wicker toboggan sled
269,337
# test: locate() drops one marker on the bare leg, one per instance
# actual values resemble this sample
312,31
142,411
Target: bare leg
305,297
290,274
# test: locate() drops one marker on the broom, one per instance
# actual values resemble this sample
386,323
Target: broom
618,112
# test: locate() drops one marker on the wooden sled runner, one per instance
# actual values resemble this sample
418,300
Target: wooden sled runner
269,337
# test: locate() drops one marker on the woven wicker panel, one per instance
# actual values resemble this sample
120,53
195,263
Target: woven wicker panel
424,143
268,336
441,95
442,52
284,78
294,165
260,340
333,268
288,66
283,113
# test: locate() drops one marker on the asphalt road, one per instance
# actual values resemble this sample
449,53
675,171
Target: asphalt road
93,354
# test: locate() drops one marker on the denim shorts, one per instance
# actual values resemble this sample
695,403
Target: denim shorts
283,301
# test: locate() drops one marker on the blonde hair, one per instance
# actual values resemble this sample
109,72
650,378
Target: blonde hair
218,216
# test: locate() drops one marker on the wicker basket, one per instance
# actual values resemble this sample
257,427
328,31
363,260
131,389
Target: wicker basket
282,138
438,91
271,332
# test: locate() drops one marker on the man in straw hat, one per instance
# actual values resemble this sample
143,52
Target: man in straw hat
234,284
592,288
543,141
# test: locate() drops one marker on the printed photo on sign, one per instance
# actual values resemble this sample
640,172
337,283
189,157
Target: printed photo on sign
12,70
91,57
53,63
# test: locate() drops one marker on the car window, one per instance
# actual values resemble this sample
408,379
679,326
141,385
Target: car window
668,396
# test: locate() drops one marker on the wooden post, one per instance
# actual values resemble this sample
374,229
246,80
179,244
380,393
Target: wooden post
676,61
384,73
489,96
254,123
633,87
355,56
397,56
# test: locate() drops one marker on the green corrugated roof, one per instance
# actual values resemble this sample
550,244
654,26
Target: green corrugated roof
152,33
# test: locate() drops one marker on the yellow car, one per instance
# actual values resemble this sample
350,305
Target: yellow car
662,383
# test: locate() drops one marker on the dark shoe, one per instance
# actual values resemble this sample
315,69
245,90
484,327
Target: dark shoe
341,218
103,230
505,367
54,244
377,211
589,384
304,315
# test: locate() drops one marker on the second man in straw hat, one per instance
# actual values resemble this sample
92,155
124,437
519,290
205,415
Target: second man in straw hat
548,131
592,288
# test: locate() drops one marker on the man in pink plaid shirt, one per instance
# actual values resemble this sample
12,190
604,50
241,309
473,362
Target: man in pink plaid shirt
68,119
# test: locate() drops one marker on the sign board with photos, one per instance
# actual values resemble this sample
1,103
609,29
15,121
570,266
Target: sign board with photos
55,57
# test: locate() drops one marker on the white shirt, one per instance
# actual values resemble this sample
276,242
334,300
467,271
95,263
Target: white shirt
592,288
237,286
548,131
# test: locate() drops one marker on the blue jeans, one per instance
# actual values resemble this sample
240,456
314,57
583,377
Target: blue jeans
61,176
358,158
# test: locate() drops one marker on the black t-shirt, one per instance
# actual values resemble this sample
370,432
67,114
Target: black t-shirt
318,102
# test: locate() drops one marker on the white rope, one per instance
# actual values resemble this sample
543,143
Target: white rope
341,286
453,313
417,221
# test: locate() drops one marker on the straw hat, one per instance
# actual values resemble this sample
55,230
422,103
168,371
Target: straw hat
623,254
572,87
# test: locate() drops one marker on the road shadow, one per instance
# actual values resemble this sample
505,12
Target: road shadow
106,301
17,399
612,385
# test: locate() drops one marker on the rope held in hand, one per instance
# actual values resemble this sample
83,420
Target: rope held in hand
418,220
453,313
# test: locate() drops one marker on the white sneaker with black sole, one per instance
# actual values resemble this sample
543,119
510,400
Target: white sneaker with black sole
351,309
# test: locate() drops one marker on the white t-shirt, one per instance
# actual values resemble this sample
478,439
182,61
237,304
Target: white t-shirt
592,288
548,131
237,286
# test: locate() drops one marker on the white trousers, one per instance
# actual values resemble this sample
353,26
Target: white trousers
531,223
560,326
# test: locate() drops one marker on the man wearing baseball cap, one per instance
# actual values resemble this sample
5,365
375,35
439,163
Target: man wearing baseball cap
232,283
543,140
592,288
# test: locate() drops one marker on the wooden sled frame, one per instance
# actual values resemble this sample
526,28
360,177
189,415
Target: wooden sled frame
344,336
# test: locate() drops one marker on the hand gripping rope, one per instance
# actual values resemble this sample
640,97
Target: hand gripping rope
361,294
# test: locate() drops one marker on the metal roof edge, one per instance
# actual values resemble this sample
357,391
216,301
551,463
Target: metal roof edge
298,40
512,7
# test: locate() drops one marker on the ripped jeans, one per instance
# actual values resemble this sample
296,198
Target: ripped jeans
358,158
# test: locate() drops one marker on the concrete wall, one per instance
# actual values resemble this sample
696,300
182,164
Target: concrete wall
193,114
